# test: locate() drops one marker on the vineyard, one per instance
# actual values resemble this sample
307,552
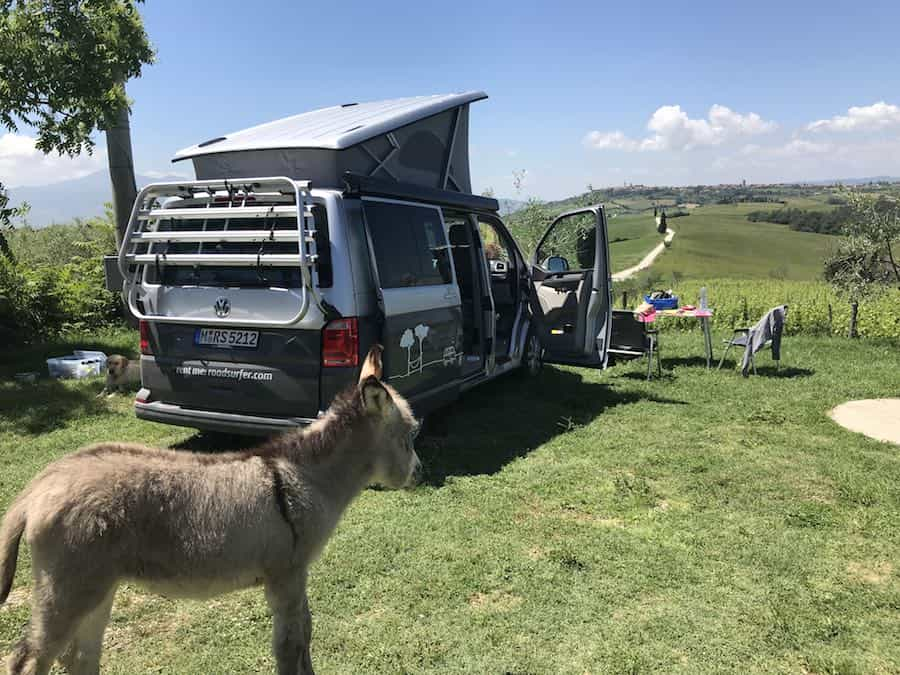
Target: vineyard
813,306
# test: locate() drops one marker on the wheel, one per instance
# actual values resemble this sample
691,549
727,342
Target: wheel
533,356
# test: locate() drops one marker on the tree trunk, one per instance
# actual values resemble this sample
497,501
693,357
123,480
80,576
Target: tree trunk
5,250
854,313
121,169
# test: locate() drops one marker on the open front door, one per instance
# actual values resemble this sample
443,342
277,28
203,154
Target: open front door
572,296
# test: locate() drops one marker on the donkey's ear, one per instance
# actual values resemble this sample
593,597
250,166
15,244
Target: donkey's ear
375,398
372,365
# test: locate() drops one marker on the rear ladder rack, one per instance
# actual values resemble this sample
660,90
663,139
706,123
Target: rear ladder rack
146,215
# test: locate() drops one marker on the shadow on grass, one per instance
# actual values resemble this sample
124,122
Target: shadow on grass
508,418
49,404
215,442
687,361
787,372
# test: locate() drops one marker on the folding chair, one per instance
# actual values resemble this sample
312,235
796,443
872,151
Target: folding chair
631,339
767,332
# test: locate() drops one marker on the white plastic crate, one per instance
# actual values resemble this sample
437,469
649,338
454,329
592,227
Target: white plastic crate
76,367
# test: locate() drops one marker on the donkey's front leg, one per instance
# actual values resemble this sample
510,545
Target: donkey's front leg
292,624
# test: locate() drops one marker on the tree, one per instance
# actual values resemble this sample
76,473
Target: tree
7,213
63,69
863,263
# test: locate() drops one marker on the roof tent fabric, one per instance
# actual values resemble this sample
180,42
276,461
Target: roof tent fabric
422,140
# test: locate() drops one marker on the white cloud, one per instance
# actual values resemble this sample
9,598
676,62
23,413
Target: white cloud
873,117
22,164
614,140
674,130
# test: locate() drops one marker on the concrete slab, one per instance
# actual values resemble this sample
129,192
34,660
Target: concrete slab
877,418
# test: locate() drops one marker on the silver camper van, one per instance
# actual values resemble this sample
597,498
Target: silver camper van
260,285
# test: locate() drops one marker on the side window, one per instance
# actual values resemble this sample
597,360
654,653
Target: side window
570,244
495,247
323,247
410,244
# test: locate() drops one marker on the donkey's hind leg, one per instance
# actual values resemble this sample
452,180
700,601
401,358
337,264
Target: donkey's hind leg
56,613
83,655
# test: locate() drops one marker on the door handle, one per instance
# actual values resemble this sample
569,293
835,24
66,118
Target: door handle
450,294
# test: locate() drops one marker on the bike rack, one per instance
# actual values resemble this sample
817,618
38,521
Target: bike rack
145,219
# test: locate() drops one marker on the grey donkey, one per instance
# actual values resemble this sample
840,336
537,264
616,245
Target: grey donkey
188,525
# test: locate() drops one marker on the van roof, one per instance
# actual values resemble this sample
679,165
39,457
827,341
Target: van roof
334,128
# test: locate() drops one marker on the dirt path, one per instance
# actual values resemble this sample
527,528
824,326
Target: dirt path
877,418
647,259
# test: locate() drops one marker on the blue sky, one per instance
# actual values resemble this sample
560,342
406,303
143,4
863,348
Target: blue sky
579,92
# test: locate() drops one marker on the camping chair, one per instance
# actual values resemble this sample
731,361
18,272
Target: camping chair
631,339
767,331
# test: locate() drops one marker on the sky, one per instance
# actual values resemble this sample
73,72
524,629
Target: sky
674,93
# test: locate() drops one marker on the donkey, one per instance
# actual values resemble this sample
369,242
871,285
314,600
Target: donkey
196,526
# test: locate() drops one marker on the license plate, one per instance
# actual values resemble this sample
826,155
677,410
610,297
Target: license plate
226,338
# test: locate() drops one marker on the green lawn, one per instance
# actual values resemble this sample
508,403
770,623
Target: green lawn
580,522
631,237
719,242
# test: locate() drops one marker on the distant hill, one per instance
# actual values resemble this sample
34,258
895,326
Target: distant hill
856,181
84,198
79,198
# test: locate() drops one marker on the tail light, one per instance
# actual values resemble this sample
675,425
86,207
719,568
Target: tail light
145,338
340,343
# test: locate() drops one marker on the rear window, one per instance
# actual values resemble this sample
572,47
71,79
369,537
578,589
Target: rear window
409,243
203,275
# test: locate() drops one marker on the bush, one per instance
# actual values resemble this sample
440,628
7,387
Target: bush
741,303
802,220
55,283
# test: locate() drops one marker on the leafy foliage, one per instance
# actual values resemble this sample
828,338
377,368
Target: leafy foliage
814,308
863,262
63,65
803,220
54,283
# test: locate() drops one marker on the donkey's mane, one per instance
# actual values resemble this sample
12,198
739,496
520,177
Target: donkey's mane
345,411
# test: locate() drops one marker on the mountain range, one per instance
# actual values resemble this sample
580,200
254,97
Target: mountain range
78,198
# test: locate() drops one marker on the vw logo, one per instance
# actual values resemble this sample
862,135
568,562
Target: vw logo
222,307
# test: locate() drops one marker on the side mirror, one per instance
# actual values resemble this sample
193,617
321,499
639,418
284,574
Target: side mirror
556,264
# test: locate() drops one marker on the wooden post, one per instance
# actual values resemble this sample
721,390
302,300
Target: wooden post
624,299
854,312
830,320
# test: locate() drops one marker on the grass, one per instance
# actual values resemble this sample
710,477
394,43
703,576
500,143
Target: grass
631,237
579,522
719,242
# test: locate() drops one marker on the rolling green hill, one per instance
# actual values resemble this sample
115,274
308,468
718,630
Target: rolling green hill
715,241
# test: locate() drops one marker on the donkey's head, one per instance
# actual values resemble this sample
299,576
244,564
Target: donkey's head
393,427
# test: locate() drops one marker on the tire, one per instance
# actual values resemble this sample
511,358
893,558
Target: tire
532,356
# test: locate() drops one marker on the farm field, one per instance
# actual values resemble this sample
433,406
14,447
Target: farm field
578,522
715,241
718,241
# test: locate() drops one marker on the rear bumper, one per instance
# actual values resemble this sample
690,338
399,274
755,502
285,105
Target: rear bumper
209,420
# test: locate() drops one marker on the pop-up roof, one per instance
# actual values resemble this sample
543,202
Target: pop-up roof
422,140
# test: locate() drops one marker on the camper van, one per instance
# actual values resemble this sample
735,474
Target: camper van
261,285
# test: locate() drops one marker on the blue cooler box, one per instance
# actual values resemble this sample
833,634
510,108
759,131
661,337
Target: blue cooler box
663,303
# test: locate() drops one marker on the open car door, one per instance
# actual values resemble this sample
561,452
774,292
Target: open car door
571,297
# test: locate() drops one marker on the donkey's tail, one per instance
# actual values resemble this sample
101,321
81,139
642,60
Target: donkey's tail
10,533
